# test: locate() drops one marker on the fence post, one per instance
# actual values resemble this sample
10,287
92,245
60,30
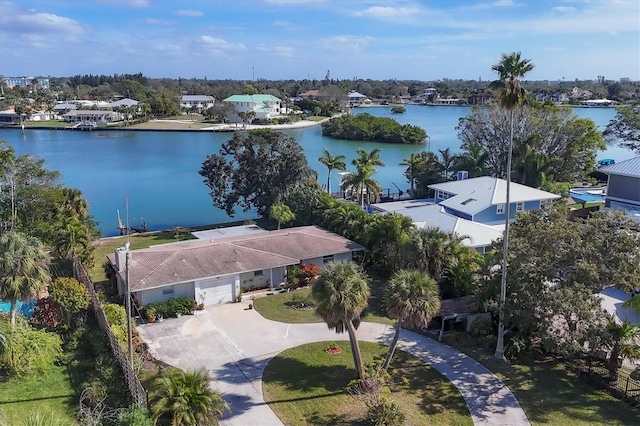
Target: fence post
626,387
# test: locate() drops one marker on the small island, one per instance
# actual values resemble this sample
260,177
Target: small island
398,109
365,127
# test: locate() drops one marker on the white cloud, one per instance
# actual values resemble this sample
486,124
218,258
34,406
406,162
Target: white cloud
133,3
564,9
25,22
187,12
345,43
153,21
283,51
220,47
388,12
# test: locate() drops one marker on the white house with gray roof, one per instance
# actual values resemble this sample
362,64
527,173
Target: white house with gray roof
199,102
263,107
216,270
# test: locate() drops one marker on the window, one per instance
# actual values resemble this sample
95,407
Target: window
519,207
500,209
327,259
167,291
257,273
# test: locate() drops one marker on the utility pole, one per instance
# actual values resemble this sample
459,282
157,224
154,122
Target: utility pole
253,73
128,304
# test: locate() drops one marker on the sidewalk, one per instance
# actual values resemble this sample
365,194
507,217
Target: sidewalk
236,344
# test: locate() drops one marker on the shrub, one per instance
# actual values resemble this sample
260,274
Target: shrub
116,314
46,313
32,351
134,416
481,327
71,296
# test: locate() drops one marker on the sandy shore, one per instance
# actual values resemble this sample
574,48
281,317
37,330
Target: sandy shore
190,125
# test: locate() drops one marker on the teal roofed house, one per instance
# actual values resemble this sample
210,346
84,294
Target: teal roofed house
262,106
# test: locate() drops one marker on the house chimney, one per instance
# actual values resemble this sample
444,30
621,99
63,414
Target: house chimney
121,258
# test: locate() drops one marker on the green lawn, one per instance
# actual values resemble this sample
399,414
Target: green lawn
316,118
49,394
305,385
549,393
278,306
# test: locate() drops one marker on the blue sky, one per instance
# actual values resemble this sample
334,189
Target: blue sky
297,39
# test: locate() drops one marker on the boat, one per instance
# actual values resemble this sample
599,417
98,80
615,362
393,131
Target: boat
88,125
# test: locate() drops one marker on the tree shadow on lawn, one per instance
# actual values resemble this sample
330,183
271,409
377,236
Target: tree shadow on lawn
303,377
547,389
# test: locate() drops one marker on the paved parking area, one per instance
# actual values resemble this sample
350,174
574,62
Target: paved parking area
236,344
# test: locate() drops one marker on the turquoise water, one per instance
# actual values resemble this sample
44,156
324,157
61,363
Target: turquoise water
24,308
158,171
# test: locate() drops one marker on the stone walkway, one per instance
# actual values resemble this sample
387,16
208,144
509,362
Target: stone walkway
236,344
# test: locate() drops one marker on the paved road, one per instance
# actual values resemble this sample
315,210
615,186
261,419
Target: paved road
236,344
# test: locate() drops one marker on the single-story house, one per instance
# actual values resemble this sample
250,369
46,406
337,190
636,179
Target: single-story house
217,270
124,103
9,117
262,106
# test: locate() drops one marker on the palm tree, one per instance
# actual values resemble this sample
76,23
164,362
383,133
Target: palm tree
341,293
446,161
361,182
412,163
186,398
411,297
623,338
73,204
4,344
510,94
427,251
332,162
368,159
23,269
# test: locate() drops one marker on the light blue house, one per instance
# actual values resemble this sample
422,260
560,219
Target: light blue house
470,208
482,199
623,187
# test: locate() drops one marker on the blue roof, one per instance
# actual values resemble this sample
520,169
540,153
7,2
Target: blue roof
629,167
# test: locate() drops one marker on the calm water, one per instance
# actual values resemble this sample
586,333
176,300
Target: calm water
158,171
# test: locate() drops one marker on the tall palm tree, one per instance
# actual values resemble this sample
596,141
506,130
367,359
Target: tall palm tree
363,184
332,162
23,269
341,293
368,159
412,163
510,95
623,344
411,297
4,344
186,398
446,161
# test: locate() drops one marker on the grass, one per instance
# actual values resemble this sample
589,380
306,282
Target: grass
278,306
316,118
305,385
49,394
549,392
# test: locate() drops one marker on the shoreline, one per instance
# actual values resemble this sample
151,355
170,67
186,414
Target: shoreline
164,125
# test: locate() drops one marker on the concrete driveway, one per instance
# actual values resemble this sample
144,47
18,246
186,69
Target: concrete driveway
236,344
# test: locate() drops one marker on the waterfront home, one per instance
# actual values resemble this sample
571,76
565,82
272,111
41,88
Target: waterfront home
623,187
471,208
598,103
357,99
217,268
9,117
199,102
92,116
263,107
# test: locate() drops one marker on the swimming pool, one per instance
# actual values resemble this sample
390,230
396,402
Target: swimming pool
24,308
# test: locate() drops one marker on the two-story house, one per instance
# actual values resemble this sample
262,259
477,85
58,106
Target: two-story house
262,106
623,187
471,208
199,102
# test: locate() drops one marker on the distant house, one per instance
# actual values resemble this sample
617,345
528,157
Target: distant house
262,106
470,208
9,117
216,270
449,101
124,103
598,103
200,102
623,188
63,108
357,99
92,116
310,94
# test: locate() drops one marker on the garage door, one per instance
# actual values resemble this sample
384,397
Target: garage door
216,291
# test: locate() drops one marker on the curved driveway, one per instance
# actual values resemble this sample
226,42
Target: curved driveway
236,344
